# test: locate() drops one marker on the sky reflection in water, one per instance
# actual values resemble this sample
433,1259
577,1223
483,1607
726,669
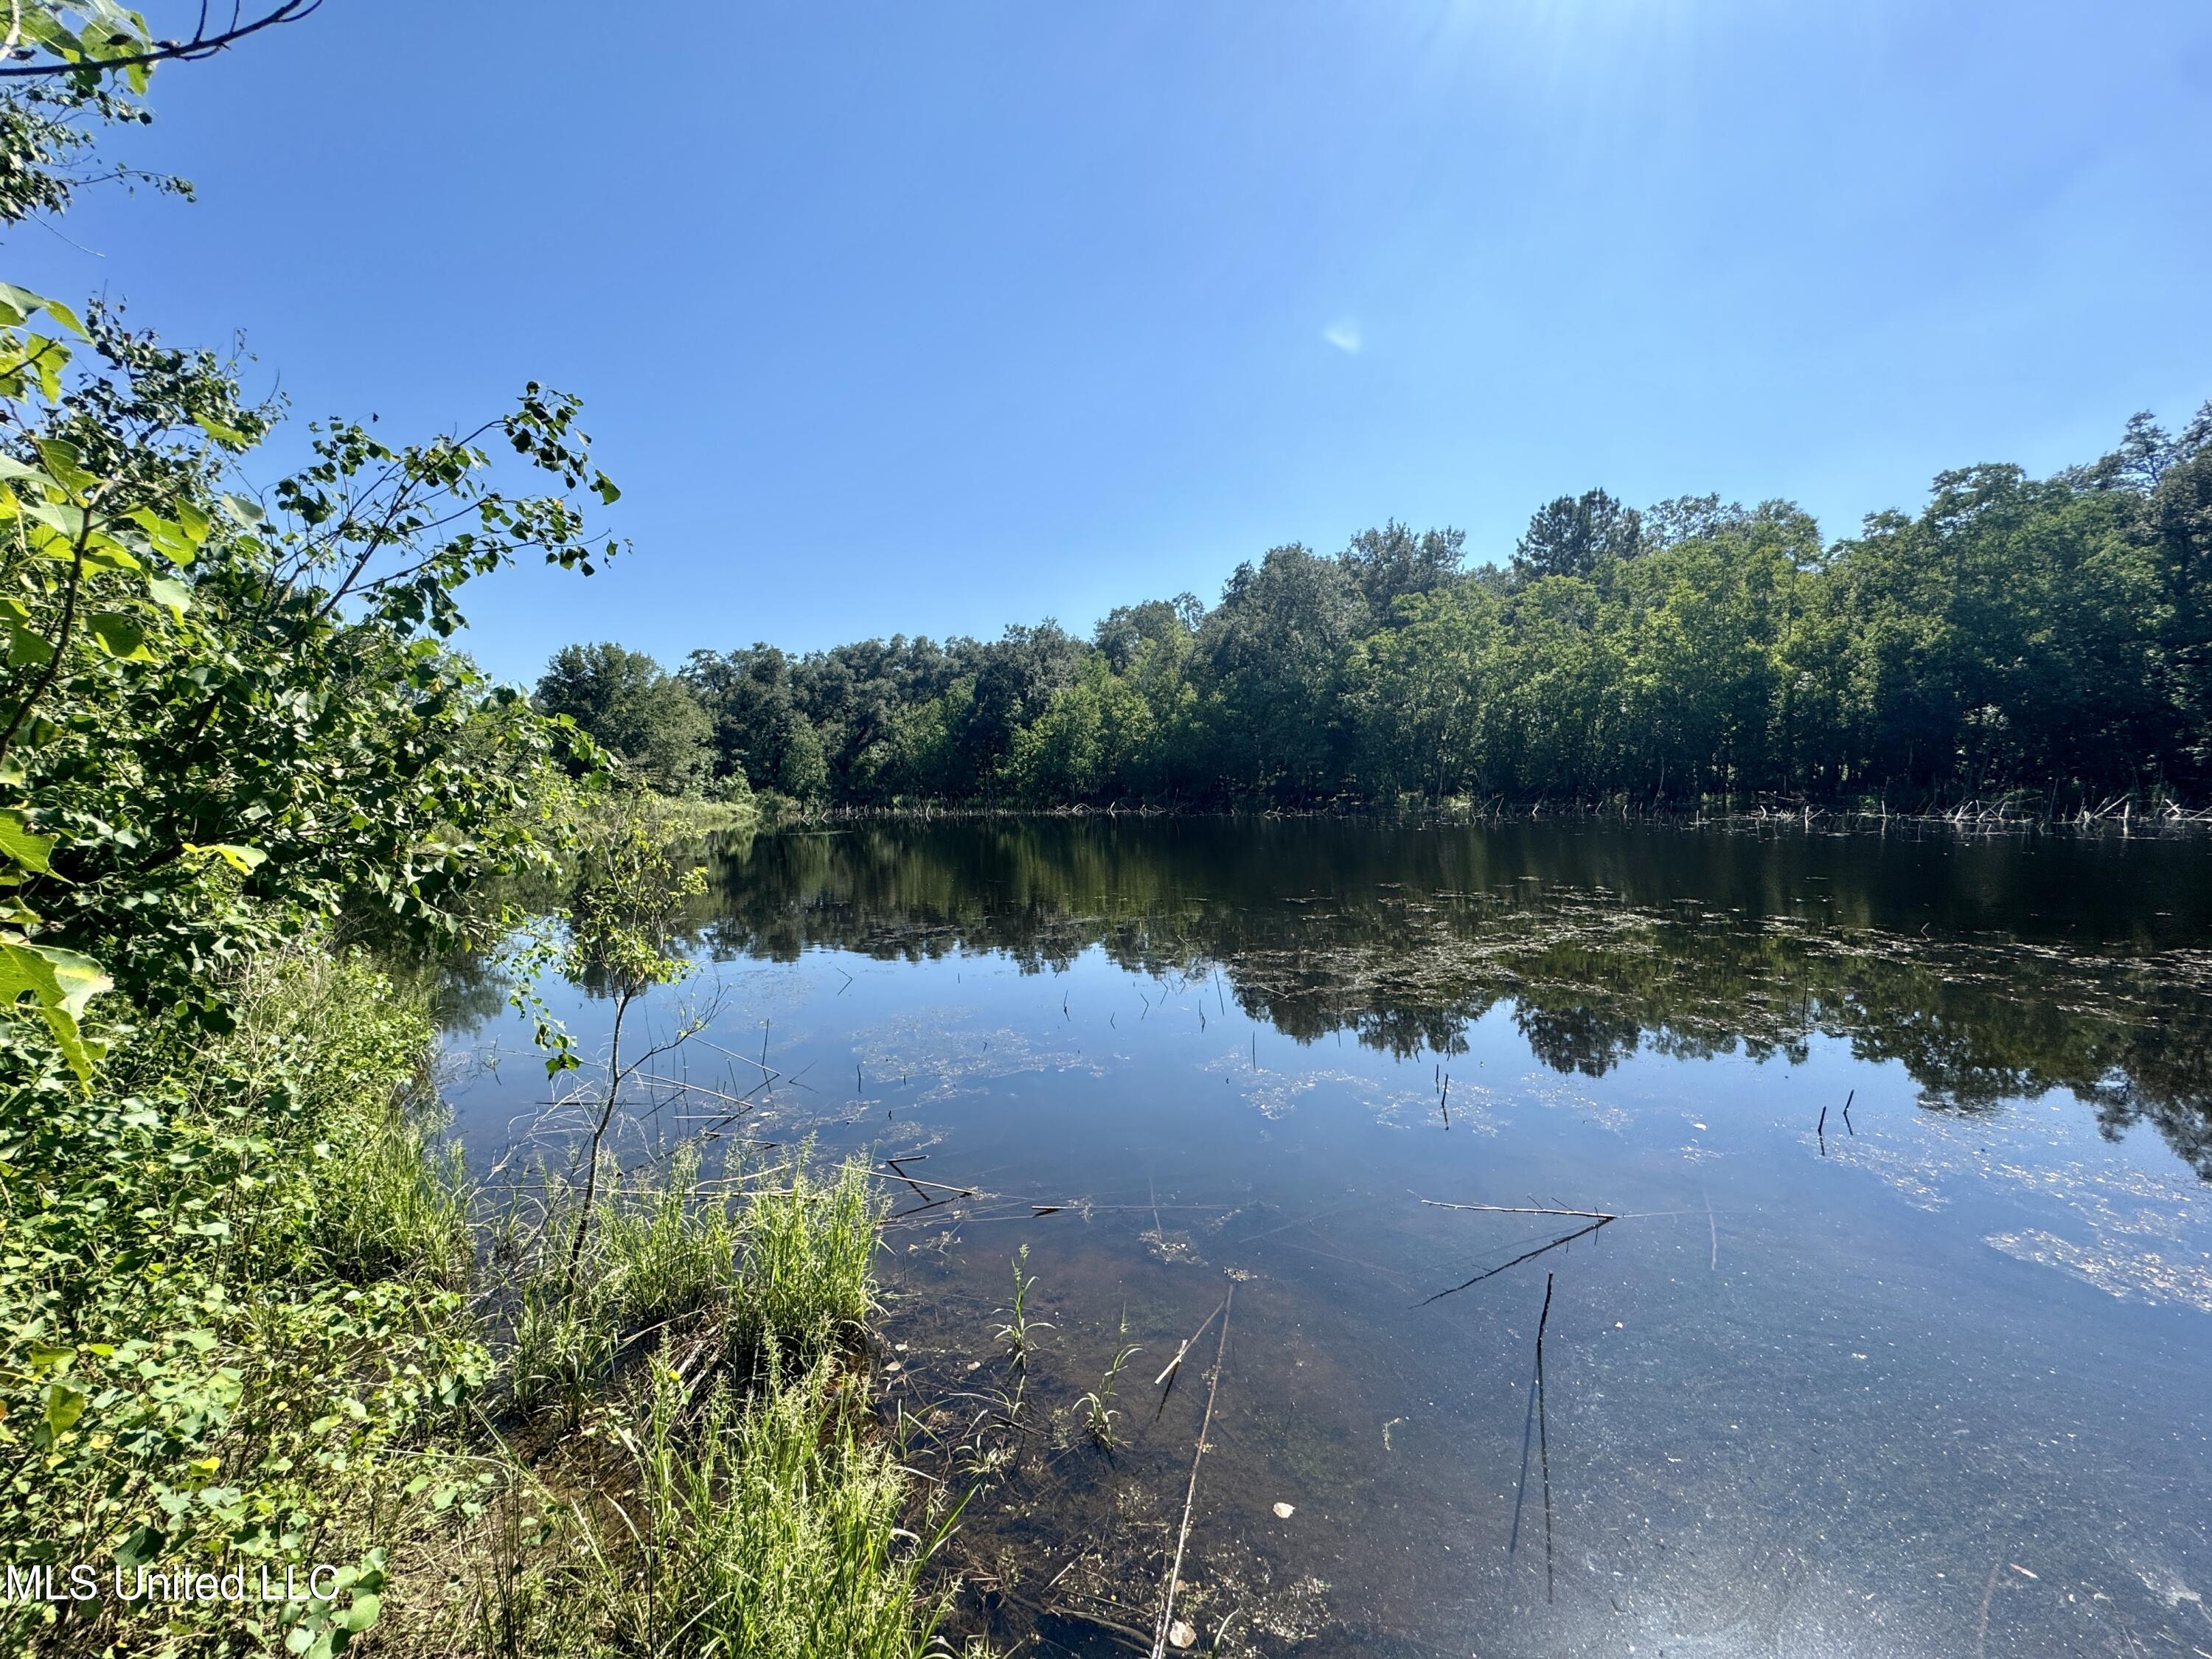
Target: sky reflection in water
1931,1380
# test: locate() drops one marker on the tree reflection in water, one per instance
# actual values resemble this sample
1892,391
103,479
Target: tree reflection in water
1990,970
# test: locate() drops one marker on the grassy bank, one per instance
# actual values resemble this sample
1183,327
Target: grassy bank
286,1331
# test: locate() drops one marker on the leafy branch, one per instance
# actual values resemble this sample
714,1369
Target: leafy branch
41,41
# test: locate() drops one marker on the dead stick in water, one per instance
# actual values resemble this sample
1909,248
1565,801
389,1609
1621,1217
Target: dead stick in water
1520,1209
1526,1255
913,1180
1188,1340
1848,1099
1190,1497
1543,1440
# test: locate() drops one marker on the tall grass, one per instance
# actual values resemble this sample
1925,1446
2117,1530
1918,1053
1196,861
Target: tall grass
806,1281
674,1459
705,1333
667,1248
786,1271
395,1200
765,1527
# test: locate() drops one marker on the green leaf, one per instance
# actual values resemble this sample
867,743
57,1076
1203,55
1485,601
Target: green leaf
62,980
222,434
167,592
26,649
65,463
16,305
367,1605
245,510
143,1545
20,845
175,542
60,984
119,636
60,517
244,860
47,357
65,1405
67,318
12,468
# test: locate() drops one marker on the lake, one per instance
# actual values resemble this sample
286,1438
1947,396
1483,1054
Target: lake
1896,1341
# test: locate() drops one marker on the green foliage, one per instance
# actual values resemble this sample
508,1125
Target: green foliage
629,897
240,1295
2048,638
669,1247
1579,537
807,1261
1099,1416
646,718
787,1518
784,1272
232,1304
1020,1333
631,887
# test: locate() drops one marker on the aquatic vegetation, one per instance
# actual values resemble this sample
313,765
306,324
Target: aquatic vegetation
1020,1333
1097,1406
668,1246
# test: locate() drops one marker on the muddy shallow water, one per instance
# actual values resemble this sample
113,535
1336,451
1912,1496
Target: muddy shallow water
1927,1376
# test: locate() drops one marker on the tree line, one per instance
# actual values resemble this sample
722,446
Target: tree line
2050,636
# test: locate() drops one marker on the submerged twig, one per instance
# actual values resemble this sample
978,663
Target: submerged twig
1190,1495
1188,1340
1520,1209
1543,1440
913,1180
1526,1255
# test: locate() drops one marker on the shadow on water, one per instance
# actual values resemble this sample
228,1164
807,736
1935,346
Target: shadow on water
1868,1179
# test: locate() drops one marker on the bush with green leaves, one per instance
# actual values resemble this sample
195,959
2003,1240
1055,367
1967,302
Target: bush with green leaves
243,1320
232,732
218,1340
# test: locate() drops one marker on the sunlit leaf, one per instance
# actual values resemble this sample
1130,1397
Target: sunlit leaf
167,592
19,844
59,984
64,1405
244,860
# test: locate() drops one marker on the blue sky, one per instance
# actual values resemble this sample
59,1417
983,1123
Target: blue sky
930,317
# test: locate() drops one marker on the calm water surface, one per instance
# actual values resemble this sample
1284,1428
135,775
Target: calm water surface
1926,1378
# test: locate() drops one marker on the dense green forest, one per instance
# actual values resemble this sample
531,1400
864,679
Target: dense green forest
2044,637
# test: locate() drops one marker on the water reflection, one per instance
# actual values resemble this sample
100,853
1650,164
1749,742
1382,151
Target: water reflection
1927,1381
1990,971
